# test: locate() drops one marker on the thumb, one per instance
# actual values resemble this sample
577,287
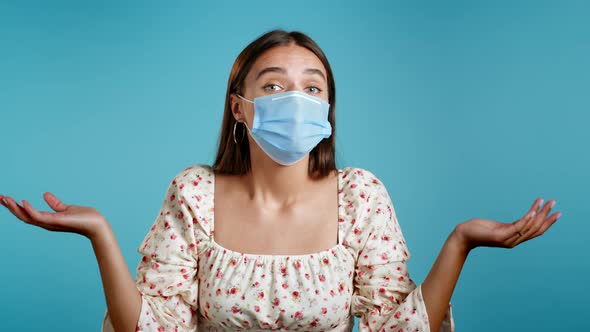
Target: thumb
54,202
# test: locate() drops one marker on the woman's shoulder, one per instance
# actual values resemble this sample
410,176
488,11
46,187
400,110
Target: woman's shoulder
193,185
367,208
358,179
194,181
193,174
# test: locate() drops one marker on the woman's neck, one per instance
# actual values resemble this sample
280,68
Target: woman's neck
275,185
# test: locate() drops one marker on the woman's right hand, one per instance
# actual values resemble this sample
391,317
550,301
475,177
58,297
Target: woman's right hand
82,220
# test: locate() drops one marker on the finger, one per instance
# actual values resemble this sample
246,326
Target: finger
17,210
519,227
29,220
534,210
546,224
536,205
547,208
540,228
521,224
54,202
539,220
513,241
526,226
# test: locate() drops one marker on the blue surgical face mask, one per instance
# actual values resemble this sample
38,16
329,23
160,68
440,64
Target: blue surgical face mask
288,125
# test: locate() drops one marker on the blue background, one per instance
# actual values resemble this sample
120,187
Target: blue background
464,109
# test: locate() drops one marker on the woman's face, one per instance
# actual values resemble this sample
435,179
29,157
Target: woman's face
280,69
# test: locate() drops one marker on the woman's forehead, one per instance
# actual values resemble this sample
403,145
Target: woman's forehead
293,59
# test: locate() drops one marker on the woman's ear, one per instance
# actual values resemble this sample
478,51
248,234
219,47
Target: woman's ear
235,106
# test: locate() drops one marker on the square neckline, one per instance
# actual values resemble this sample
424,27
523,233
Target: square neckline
338,245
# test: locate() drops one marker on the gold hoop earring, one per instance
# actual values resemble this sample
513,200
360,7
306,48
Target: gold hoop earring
243,133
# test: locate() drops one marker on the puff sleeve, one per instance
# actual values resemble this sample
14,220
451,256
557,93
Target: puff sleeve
384,296
166,276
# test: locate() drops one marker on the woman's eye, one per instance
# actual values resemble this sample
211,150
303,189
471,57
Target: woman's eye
272,87
314,89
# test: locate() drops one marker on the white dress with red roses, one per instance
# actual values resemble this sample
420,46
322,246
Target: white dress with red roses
188,282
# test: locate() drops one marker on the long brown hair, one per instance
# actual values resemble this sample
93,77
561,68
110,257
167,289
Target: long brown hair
234,158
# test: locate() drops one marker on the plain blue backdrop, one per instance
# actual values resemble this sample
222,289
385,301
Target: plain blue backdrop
464,109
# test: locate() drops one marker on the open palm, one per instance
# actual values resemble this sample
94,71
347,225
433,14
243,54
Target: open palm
489,233
67,218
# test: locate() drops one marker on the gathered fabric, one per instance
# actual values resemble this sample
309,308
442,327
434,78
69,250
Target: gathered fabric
188,282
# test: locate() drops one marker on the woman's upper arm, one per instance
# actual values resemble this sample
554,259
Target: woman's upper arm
385,297
167,272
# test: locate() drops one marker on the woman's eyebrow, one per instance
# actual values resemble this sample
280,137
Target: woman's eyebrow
271,69
314,71
281,70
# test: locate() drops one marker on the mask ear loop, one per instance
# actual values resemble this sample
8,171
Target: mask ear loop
245,125
245,99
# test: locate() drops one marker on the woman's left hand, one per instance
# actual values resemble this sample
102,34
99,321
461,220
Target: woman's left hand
488,233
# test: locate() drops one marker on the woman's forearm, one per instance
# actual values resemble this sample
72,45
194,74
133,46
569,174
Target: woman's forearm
438,286
122,296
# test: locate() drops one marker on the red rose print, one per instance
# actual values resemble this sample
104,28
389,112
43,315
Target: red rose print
276,291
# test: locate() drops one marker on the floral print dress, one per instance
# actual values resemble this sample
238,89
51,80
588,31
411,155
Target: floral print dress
188,282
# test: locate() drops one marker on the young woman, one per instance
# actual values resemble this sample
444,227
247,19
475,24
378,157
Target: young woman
273,236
